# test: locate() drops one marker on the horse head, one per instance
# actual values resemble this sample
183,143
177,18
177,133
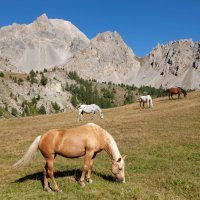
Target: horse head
101,114
184,92
118,169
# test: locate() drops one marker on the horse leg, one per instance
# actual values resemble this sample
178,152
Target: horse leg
81,116
51,175
149,104
89,174
143,104
86,167
93,115
46,186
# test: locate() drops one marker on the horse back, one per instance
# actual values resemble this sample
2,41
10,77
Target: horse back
71,143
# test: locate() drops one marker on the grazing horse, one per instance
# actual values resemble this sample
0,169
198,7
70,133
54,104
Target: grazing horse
92,108
176,90
146,99
86,140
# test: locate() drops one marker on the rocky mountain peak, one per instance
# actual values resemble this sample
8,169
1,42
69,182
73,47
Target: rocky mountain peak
106,57
41,44
173,58
43,18
42,21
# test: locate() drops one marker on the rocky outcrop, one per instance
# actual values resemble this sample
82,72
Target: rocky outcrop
41,44
175,57
15,90
174,64
106,58
6,66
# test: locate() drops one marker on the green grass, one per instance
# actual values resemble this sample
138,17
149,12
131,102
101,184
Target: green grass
162,147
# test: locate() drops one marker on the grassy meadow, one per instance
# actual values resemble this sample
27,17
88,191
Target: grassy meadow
162,147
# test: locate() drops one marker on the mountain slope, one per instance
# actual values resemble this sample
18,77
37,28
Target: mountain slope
55,43
41,44
174,64
106,58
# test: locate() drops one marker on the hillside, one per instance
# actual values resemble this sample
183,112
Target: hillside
161,144
55,91
106,58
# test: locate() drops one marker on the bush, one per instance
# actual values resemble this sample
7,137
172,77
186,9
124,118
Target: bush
14,112
32,76
1,74
42,110
1,111
55,106
20,81
44,80
73,75
74,101
128,98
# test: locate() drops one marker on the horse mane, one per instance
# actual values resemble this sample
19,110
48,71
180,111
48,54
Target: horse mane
112,150
96,106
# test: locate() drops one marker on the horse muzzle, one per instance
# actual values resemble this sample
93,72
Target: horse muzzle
121,180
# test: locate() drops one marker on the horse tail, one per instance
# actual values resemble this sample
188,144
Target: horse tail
28,155
78,106
151,103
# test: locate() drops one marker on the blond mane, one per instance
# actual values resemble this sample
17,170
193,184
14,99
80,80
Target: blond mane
112,146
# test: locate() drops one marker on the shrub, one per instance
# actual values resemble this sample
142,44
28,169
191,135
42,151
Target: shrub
55,106
42,110
14,112
1,111
1,74
74,101
20,81
44,80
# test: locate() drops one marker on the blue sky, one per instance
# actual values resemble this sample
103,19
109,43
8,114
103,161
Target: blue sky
141,23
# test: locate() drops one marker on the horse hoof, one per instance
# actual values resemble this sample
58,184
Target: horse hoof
82,184
47,190
58,190
89,180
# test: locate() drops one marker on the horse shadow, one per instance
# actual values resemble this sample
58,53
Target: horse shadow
60,174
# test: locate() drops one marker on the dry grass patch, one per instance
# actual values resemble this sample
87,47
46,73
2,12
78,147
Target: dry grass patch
162,145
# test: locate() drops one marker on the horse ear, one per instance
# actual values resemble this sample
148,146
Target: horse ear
124,157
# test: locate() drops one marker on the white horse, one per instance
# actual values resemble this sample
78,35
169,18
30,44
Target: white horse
92,108
146,99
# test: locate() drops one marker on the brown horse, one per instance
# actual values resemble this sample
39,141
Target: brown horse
86,140
176,90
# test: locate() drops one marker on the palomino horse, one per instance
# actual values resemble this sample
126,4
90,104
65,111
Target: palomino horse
146,99
176,90
86,140
92,108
